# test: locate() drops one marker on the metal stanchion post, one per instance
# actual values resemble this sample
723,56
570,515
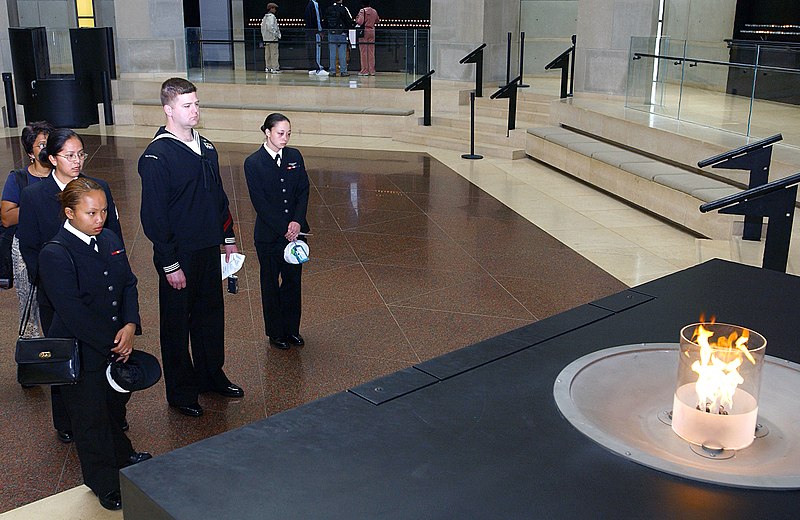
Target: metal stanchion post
522,59
11,104
471,154
108,110
508,60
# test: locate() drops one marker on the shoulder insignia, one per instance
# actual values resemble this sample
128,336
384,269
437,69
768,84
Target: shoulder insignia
150,156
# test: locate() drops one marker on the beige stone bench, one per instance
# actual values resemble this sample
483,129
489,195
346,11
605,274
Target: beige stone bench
672,192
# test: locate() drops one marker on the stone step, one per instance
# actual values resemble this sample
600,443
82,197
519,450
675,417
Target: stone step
542,107
502,104
424,137
500,111
523,95
483,124
516,138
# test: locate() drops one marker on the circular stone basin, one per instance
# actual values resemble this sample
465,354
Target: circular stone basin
614,396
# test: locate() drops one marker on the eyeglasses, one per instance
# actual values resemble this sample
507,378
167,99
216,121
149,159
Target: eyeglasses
73,157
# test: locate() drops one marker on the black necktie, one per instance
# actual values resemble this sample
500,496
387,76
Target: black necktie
93,243
278,160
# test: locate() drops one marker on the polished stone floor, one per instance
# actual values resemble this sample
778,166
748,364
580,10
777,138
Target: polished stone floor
410,260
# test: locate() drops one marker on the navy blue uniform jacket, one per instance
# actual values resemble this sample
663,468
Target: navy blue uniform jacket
106,301
279,194
40,218
184,206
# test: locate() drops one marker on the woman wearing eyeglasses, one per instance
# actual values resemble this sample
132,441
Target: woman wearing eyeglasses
40,218
34,140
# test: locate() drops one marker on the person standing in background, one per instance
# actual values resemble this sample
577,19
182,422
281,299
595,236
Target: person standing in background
338,21
34,140
185,215
313,23
271,33
367,18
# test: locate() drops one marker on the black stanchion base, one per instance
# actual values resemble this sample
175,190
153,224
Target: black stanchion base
471,156
523,85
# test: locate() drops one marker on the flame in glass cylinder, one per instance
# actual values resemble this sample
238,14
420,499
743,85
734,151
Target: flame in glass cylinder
718,369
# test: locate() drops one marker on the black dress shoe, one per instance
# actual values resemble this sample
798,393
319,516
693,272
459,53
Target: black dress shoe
137,457
280,343
125,425
295,339
23,385
230,390
64,436
192,410
111,500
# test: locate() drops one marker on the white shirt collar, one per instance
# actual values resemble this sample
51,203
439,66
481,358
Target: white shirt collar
61,185
271,153
80,234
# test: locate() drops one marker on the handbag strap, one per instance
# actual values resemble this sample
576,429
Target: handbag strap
32,294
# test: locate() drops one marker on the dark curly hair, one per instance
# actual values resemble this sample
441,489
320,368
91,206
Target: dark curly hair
31,132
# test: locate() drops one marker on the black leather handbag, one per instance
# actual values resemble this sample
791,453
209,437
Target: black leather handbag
47,361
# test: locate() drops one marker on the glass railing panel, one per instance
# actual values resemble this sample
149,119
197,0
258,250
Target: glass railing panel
746,88
640,74
653,82
776,100
704,97
708,103
670,75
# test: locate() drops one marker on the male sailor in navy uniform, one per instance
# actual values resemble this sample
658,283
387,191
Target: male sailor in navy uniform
278,185
185,215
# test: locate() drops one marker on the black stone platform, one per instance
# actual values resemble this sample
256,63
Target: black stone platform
476,433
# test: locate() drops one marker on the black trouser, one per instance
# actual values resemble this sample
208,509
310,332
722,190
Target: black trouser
195,313
61,420
98,413
281,299
312,53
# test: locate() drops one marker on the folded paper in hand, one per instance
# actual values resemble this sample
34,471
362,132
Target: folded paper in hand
232,267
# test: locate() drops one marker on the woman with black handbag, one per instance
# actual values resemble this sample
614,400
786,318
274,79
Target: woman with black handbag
34,140
93,291
40,218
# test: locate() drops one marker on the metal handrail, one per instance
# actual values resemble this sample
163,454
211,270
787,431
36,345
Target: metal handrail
558,58
742,149
752,193
567,66
694,61
472,54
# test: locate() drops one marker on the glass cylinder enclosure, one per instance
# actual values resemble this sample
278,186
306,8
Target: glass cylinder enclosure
719,378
